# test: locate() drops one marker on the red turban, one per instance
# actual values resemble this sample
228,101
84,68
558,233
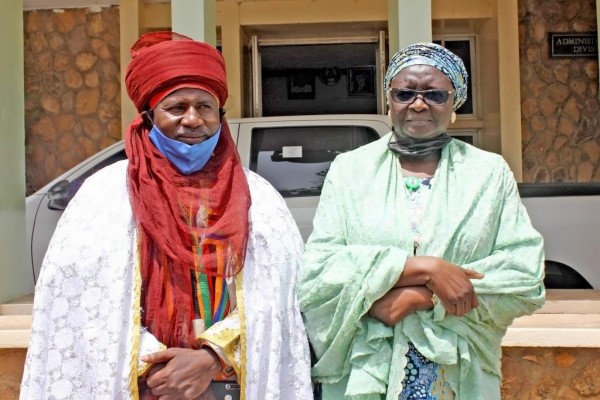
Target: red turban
164,61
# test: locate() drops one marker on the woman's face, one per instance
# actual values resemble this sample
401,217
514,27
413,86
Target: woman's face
188,115
419,119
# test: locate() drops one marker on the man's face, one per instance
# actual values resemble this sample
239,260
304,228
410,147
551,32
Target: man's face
419,119
188,115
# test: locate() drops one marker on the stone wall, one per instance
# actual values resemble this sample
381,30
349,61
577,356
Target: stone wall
550,374
11,372
529,373
559,97
72,88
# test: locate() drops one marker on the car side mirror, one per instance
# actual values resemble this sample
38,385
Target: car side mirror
59,195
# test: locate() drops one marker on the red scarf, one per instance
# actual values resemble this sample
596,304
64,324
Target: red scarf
188,225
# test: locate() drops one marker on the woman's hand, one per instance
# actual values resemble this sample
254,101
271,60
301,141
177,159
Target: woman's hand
181,374
450,283
400,302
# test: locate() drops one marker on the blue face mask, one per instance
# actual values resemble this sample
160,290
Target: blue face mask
187,158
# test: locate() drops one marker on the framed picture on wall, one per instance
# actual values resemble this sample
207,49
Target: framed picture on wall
361,81
300,85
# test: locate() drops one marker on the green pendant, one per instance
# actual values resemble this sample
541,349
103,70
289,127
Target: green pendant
412,183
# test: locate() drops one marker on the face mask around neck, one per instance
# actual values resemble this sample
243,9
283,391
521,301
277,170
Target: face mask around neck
187,158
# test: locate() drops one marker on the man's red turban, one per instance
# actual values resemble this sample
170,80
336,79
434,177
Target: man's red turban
164,61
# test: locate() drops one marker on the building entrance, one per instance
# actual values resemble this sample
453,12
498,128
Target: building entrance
319,79
301,75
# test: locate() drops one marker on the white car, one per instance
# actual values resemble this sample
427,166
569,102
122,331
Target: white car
294,154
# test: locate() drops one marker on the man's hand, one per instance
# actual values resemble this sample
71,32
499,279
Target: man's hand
400,302
182,374
207,395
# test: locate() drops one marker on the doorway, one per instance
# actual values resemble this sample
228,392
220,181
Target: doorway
319,79
308,69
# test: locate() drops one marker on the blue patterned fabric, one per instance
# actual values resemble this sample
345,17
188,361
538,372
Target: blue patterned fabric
436,56
423,379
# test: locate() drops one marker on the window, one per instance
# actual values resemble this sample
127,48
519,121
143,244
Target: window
60,194
467,136
464,47
295,160
77,182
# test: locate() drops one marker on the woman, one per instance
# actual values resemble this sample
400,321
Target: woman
171,275
422,253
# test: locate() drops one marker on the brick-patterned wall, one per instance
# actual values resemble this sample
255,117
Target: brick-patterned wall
559,97
72,88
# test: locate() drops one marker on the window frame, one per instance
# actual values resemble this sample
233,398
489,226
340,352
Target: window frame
473,72
473,133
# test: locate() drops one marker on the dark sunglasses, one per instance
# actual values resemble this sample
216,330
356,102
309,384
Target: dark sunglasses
431,97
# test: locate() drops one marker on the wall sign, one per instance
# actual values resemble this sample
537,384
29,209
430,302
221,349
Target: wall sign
571,44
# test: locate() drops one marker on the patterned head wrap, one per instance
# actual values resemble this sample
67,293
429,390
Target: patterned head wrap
163,62
436,56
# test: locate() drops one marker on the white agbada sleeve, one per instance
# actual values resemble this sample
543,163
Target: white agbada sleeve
86,335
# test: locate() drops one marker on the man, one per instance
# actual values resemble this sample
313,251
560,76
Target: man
171,275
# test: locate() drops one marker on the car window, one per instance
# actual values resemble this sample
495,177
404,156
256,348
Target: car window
295,160
76,183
